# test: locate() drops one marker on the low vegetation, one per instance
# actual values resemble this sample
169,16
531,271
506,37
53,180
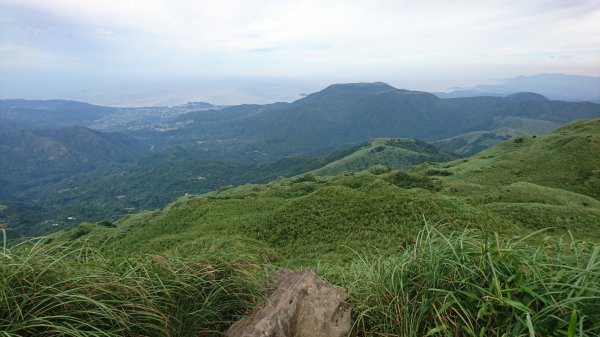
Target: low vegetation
505,243
469,284
79,290
395,153
460,284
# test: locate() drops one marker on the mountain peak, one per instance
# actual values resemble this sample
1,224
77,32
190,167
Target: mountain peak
348,92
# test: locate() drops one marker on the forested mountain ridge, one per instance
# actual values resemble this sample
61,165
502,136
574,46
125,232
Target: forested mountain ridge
56,153
51,113
344,115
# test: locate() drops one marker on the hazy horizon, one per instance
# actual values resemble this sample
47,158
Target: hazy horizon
159,52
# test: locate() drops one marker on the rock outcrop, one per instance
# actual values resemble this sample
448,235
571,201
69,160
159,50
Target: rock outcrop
302,305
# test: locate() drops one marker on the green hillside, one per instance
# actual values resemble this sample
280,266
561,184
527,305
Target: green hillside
78,172
112,192
502,129
395,153
514,188
566,158
460,248
31,157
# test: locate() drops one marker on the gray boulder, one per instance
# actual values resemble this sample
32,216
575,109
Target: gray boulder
302,305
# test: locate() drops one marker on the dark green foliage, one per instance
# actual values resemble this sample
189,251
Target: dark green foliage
407,180
305,177
379,169
151,183
105,223
81,230
437,172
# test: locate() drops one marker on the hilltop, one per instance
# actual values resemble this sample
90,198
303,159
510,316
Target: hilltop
394,153
50,113
566,158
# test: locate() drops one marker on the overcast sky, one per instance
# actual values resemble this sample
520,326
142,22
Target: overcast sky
125,52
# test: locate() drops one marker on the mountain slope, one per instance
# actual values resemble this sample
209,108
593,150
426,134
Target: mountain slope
556,86
395,153
30,155
113,191
344,115
504,128
51,113
308,219
566,158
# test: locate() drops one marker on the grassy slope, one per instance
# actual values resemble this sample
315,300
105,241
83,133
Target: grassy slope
503,128
566,158
363,231
519,186
396,153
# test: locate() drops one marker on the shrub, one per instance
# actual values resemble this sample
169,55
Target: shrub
379,169
308,177
82,229
407,180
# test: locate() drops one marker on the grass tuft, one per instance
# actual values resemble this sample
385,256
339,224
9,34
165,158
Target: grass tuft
82,291
465,284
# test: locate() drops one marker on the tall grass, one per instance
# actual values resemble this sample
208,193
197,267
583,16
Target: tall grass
80,291
464,284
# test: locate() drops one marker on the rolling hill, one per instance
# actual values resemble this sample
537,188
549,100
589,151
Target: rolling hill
512,189
109,174
566,158
394,153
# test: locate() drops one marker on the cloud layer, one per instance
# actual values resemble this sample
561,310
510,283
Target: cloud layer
430,43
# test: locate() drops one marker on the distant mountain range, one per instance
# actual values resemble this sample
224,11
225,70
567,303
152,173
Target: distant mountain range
49,113
554,86
345,115
161,153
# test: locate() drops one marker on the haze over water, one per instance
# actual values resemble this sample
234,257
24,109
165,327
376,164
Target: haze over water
157,52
